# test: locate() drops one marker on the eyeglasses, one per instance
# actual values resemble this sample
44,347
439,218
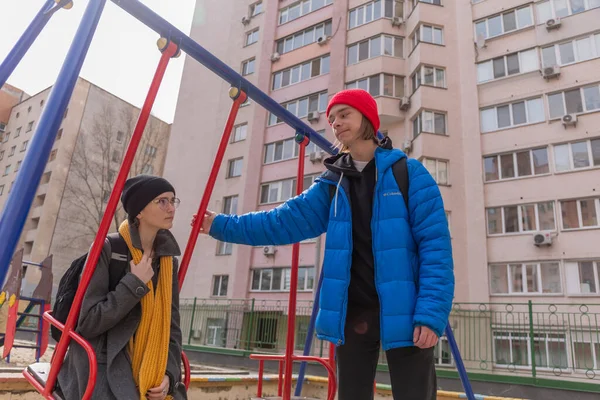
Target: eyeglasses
164,202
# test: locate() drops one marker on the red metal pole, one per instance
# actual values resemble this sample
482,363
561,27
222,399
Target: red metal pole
280,380
261,366
291,328
105,224
239,97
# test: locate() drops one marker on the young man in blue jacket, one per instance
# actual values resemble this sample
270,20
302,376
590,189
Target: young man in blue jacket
388,269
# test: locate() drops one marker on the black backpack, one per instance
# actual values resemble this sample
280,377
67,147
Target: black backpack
400,171
70,280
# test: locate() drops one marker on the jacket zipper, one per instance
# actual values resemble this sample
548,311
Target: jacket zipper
375,209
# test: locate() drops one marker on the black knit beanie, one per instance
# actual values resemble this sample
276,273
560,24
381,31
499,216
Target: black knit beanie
140,190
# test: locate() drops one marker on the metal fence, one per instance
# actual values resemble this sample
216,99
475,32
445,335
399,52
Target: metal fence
554,341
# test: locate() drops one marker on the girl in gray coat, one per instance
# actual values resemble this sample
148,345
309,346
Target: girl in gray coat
134,329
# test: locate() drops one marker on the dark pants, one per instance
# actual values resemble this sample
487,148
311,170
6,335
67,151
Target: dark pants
412,370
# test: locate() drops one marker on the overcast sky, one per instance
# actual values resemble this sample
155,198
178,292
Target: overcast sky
122,57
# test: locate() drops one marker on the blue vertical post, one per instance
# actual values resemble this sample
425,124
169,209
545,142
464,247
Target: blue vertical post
25,41
21,196
462,372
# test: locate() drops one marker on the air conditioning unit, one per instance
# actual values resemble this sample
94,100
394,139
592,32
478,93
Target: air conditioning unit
551,72
2,127
196,334
269,250
569,119
542,239
397,21
275,57
316,156
407,146
245,20
313,116
553,23
404,103
321,40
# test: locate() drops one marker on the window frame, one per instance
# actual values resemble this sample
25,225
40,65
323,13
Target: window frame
521,230
524,278
231,165
501,15
218,288
382,38
516,165
580,221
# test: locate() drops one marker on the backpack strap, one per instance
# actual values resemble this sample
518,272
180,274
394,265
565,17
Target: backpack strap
400,170
119,259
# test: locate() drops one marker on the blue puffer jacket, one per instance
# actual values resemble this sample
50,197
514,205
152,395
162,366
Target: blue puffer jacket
412,248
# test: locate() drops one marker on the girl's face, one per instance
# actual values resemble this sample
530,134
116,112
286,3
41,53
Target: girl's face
346,122
159,213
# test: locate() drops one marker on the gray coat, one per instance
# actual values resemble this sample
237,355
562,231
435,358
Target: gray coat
108,319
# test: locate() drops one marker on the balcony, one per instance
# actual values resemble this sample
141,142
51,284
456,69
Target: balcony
374,28
377,65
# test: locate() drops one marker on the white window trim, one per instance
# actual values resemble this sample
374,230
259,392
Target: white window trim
235,128
520,219
557,56
514,153
596,268
526,292
219,278
354,84
421,71
420,116
395,5
564,102
248,35
417,37
436,177
230,164
553,9
297,101
322,26
580,216
245,65
507,76
504,33
310,63
222,248
284,270
510,109
571,161
285,11
295,152
382,49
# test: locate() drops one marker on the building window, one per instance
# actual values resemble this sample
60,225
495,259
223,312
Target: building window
1,190
220,285
239,133
278,279
7,170
59,134
256,8
541,278
248,67
42,103
301,72
512,64
280,151
516,165
577,155
301,8
151,151
115,156
224,248
18,132
380,85
1,155
216,329
510,115
582,213
301,107
442,353
120,136
252,37
66,113
303,38
382,45
52,155
18,166
513,349
29,126
504,23
581,49
583,277
430,76
574,101
230,204
428,34
373,11
521,218
429,122
24,146
148,169
586,349
234,168
438,170
280,191
563,8
12,151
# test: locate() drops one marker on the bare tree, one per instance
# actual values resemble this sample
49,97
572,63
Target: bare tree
95,161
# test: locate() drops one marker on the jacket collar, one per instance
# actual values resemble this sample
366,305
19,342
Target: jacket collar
165,244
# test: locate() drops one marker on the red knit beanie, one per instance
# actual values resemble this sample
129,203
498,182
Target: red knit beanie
359,99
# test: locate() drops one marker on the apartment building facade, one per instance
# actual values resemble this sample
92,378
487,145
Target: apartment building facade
80,171
498,99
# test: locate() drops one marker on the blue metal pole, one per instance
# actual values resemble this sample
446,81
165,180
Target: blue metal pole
460,366
309,336
25,41
21,196
194,50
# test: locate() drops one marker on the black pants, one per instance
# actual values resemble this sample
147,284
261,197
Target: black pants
412,370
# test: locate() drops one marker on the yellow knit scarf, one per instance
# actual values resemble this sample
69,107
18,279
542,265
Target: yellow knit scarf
149,346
